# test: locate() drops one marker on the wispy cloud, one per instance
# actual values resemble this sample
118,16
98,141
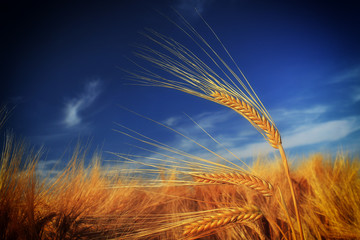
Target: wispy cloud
328,131
48,168
171,121
304,135
356,94
300,115
74,107
210,120
308,127
351,74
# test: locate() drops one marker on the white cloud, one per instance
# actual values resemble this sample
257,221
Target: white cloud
308,114
171,121
253,150
75,106
47,168
356,94
348,75
210,120
304,135
311,128
321,132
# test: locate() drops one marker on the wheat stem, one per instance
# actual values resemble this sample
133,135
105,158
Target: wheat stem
287,171
270,133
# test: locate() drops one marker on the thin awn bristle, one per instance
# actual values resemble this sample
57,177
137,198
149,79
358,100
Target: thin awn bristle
222,218
237,178
252,115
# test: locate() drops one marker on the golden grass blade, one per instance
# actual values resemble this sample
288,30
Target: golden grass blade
237,178
221,218
4,114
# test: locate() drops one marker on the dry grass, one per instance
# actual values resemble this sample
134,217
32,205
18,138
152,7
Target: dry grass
89,203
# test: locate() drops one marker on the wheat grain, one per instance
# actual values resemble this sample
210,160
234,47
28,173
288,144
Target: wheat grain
237,178
251,114
222,218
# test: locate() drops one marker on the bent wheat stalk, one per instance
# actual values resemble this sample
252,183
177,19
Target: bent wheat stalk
237,178
272,135
221,218
218,83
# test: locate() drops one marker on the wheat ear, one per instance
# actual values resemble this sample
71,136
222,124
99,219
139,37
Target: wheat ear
251,114
237,178
222,218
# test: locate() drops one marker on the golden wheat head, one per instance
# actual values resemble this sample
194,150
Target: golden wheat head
237,178
222,218
197,78
251,114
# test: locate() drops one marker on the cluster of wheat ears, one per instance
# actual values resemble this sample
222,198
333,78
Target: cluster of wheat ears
223,86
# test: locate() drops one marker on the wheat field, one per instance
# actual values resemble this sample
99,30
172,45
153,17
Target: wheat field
186,196
92,203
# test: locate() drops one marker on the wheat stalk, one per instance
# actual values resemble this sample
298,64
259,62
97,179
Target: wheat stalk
222,218
270,132
261,123
237,178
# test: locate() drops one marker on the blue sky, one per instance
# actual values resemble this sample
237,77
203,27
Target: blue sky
61,67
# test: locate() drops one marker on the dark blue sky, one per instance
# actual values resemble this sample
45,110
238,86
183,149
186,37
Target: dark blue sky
60,67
